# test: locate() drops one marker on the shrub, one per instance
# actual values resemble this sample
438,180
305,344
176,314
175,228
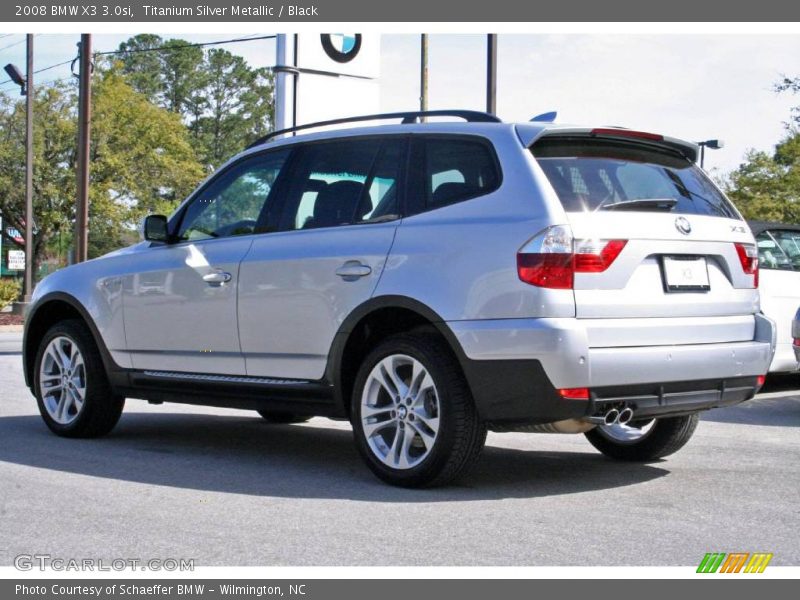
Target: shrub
9,291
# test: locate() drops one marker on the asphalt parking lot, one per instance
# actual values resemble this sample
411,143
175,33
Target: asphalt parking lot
225,488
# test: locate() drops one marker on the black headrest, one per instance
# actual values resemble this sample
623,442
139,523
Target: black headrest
447,192
336,204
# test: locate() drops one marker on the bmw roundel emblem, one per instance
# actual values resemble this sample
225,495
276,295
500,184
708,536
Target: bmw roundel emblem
682,224
341,47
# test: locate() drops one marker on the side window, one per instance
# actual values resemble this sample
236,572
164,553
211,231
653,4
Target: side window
343,182
232,203
456,170
789,242
770,254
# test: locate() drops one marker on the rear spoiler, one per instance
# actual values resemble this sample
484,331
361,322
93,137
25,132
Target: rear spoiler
530,135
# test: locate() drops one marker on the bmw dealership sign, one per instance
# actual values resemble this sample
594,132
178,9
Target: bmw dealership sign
341,47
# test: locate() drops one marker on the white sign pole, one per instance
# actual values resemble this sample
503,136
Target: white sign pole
285,79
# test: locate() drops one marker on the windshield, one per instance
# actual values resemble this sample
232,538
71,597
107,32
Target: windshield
591,175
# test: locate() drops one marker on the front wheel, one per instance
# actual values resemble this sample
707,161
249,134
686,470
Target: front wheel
644,440
414,419
70,383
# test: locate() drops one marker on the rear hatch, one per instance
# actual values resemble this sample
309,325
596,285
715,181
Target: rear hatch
663,241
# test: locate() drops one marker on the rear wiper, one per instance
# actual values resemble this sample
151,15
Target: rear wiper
666,204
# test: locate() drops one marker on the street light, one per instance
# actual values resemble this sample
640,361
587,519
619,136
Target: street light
712,144
26,89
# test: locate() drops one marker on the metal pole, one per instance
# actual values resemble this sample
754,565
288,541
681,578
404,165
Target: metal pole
84,132
702,155
285,82
423,73
491,73
29,91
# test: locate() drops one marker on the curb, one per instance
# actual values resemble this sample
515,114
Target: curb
10,328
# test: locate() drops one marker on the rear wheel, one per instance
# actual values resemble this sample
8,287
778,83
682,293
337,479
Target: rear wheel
414,419
72,390
643,440
282,418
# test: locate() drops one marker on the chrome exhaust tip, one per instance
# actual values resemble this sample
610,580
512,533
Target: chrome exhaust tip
611,417
625,416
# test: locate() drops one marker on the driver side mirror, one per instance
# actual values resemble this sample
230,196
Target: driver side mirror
154,228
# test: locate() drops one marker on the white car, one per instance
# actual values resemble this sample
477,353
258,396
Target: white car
779,283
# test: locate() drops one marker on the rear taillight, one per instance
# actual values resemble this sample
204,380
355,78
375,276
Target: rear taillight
748,257
574,393
552,258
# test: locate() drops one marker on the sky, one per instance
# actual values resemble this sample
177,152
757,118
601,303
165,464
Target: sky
693,86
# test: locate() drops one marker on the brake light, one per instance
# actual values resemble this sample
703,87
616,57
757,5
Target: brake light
552,258
748,257
574,393
629,133
761,380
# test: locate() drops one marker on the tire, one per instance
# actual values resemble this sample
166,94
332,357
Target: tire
664,437
100,408
442,435
282,418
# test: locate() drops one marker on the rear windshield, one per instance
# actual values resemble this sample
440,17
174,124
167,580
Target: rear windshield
591,175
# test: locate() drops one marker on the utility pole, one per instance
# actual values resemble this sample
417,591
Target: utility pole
28,281
423,73
84,133
491,73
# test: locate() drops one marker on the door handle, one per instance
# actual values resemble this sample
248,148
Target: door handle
353,270
217,278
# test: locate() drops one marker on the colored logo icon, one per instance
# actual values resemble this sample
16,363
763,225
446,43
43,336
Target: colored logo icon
341,47
735,562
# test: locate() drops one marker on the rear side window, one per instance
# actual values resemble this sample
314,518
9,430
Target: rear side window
344,182
779,249
591,175
448,170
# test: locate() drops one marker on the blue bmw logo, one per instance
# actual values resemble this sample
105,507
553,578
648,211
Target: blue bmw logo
341,47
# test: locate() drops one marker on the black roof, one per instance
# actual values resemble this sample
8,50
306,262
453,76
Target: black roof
761,226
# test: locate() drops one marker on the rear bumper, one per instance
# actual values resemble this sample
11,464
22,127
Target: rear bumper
515,368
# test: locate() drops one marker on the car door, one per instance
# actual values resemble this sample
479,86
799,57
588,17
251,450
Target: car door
779,285
335,231
180,298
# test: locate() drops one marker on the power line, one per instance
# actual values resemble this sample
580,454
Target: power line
22,41
182,46
61,64
158,49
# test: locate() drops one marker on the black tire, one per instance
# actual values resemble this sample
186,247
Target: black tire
666,437
461,434
282,418
101,407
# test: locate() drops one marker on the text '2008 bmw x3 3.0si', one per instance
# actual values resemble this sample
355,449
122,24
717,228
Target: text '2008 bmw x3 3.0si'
428,281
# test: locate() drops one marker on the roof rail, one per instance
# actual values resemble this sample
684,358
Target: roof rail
471,116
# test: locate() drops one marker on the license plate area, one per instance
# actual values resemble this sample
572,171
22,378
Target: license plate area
685,274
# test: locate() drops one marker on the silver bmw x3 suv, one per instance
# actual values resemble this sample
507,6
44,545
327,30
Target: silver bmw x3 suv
428,281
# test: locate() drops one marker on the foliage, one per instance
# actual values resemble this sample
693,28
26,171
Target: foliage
766,186
9,291
141,161
225,102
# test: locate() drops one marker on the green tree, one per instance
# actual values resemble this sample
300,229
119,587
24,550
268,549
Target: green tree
54,160
766,186
142,161
225,102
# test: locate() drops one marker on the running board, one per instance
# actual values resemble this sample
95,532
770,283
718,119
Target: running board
224,378
234,391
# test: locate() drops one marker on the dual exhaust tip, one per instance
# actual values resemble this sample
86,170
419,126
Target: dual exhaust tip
618,417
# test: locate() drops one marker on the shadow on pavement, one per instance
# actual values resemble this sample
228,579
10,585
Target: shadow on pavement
248,456
776,412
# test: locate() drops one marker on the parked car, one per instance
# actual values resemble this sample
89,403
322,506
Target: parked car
428,281
796,335
779,284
